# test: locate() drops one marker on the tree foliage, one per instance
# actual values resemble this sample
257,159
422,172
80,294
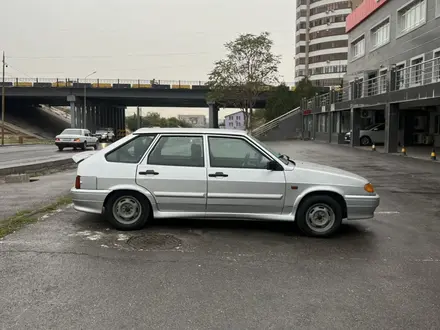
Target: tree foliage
249,67
281,99
153,119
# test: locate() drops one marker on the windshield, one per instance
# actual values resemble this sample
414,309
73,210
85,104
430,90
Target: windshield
71,132
273,152
370,126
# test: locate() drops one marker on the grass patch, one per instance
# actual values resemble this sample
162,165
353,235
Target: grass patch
22,218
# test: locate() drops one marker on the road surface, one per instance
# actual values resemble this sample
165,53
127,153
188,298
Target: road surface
72,271
26,154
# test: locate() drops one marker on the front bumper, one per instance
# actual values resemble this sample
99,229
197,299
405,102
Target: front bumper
361,207
89,201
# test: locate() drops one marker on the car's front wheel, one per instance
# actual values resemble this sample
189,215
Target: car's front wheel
84,146
319,216
127,210
96,146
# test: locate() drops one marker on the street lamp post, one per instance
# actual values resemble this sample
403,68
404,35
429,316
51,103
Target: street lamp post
3,101
85,98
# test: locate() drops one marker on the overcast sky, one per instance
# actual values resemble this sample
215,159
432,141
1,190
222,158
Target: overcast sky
137,39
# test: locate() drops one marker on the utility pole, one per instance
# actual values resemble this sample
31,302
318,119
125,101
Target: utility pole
3,101
138,117
85,100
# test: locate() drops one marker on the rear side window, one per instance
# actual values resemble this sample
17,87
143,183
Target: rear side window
132,151
178,151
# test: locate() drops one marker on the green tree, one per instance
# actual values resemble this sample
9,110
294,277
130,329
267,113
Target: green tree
249,67
279,101
153,119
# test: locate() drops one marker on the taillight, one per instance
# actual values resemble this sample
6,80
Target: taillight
78,182
57,139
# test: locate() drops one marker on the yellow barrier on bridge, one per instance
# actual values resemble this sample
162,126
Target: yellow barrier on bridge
141,86
101,85
23,84
62,84
181,86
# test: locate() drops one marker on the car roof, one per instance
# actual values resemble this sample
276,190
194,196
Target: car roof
180,130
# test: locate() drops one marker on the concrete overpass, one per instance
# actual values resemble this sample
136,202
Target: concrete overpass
106,100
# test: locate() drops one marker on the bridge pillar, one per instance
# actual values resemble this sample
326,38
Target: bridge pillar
213,115
355,126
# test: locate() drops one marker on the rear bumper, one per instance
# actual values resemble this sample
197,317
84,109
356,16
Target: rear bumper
361,207
69,144
89,201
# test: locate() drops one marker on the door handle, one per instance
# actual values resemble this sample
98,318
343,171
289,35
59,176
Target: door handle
213,175
153,172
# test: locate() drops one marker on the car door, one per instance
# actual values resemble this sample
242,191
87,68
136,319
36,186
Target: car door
238,179
377,134
175,173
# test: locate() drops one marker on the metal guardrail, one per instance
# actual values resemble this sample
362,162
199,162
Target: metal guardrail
107,83
274,122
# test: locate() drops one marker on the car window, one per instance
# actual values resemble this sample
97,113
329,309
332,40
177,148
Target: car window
71,132
381,127
235,153
132,151
178,151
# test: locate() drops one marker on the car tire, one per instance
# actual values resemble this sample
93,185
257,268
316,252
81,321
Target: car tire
365,141
84,146
96,146
319,216
60,148
133,218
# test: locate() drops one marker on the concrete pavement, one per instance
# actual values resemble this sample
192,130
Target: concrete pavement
72,271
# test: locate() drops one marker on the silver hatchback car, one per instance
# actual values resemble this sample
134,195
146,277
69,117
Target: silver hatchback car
213,173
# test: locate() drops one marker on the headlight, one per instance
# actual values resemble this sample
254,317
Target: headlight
369,188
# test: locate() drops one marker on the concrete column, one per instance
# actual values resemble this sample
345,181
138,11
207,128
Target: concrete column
213,115
391,127
355,126
123,119
79,116
72,114
330,126
314,126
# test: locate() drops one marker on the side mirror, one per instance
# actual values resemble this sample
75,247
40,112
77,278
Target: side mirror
272,165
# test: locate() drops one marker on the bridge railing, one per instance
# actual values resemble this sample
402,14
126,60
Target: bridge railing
106,83
274,122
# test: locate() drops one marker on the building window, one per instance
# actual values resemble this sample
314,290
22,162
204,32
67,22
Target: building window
358,48
416,71
400,76
412,16
436,66
322,123
383,82
380,35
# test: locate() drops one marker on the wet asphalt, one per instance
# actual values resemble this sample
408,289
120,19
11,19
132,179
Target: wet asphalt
72,271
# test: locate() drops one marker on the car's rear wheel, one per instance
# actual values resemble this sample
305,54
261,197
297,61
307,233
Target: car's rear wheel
84,146
319,216
60,148
96,146
365,141
127,210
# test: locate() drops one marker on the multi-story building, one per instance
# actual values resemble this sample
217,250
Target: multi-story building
235,120
321,40
393,77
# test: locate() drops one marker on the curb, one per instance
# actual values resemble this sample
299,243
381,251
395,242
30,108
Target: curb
32,168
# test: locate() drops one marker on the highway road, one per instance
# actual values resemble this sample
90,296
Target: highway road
73,271
26,154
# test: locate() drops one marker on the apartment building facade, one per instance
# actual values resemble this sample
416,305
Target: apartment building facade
321,40
393,77
235,120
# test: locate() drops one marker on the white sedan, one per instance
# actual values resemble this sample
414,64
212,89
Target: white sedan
76,138
212,173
